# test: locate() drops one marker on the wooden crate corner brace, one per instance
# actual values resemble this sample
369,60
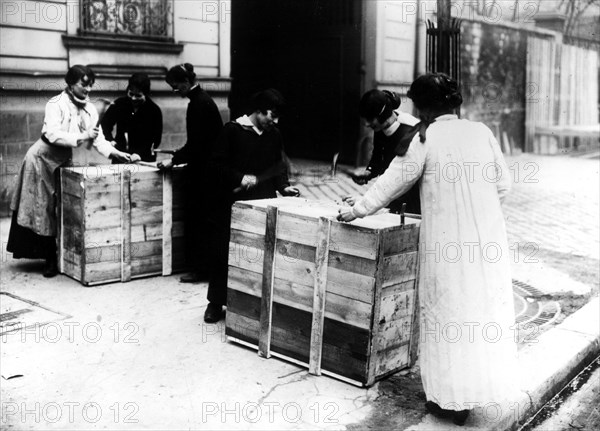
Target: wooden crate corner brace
266,303
125,225
320,283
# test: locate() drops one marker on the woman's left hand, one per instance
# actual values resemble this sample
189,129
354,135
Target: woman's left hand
120,156
345,214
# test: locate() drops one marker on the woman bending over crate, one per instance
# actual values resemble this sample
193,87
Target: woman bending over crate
70,121
393,131
467,352
203,123
248,163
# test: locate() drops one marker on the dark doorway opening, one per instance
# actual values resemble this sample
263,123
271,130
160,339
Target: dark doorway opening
310,50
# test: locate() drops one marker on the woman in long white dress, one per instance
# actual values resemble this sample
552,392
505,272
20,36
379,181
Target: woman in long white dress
467,351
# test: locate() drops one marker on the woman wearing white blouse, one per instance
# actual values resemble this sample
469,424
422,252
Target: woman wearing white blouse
70,121
467,353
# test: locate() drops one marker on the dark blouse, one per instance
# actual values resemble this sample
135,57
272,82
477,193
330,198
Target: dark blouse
241,151
143,127
203,124
384,151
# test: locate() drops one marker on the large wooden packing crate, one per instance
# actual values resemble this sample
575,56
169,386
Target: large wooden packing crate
118,222
336,297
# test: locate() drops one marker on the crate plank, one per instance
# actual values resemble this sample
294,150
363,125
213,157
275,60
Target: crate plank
399,268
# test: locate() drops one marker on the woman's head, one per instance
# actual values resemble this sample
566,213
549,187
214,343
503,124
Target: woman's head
435,92
138,88
181,78
377,107
80,79
266,106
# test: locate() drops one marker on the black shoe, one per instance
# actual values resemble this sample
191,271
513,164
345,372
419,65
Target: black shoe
437,411
213,313
459,417
51,268
193,277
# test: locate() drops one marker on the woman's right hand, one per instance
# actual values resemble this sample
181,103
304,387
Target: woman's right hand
350,200
248,181
165,164
93,133
362,178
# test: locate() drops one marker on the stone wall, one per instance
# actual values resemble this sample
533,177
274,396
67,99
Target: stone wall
493,68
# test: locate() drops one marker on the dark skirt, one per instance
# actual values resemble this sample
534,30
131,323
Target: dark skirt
25,243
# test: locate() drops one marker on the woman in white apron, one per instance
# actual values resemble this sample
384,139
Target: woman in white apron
467,352
70,121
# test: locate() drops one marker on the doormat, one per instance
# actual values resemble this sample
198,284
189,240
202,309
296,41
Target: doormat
17,314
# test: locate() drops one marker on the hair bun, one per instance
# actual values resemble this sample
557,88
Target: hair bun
393,99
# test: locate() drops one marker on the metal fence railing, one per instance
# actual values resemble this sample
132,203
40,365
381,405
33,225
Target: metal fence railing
146,19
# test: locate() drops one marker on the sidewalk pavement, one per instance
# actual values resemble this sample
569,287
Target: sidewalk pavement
137,355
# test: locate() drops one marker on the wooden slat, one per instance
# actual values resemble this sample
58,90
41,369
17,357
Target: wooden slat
248,219
249,239
167,223
112,253
102,272
125,226
264,340
318,311
399,268
102,200
147,265
401,240
147,232
396,306
150,215
353,240
71,182
374,346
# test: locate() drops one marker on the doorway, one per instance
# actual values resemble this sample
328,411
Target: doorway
310,50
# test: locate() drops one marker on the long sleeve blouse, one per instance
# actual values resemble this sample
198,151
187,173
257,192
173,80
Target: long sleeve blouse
65,124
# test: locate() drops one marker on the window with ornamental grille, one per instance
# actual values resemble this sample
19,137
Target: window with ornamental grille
136,19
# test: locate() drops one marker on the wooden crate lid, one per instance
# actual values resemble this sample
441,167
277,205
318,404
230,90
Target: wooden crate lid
315,209
97,171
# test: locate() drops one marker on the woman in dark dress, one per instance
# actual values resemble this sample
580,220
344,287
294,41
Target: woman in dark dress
394,131
203,124
138,120
248,163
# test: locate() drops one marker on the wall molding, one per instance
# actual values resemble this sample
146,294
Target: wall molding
121,45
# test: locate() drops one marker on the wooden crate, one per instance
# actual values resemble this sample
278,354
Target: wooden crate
336,297
118,222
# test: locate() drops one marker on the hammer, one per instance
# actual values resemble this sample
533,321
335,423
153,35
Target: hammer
105,104
153,151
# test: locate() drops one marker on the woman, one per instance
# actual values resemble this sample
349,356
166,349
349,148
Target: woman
248,163
138,120
203,124
467,355
70,121
393,132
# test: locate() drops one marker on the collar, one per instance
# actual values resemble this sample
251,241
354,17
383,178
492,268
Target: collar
245,122
392,129
446,117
